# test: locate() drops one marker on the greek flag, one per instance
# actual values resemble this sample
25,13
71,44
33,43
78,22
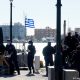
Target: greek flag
29,23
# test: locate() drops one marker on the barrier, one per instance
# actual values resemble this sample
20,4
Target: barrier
37,63
51,73
22,60
70,74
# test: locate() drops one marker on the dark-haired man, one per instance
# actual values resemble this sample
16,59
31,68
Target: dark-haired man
47,53
31,52
13,57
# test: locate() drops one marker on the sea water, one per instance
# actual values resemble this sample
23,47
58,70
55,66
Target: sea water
39,48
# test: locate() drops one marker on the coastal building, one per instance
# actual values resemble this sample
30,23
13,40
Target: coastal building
47,34
77,30
18,32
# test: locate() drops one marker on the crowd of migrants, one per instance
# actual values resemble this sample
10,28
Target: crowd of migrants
71,51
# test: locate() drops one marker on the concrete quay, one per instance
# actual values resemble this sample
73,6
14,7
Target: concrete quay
24,76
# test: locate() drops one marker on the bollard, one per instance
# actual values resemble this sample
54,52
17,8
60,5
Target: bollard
37,63
69,74
51,73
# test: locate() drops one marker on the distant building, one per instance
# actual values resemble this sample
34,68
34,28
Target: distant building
45,34
18,31
77,30
6,32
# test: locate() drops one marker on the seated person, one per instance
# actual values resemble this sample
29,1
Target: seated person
2,60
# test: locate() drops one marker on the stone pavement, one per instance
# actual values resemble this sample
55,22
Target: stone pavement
24,76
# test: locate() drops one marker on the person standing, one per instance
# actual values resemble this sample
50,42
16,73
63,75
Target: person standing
13,57
68,41
31,52
48,57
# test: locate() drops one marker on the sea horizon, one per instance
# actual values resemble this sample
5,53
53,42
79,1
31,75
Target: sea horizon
39,47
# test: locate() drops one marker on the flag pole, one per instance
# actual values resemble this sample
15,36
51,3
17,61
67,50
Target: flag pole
25,25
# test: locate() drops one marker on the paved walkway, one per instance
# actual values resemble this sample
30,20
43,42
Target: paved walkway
24,76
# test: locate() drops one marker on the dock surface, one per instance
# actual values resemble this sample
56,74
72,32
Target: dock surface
40,75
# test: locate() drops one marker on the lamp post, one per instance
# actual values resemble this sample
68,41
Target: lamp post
58,61
11,20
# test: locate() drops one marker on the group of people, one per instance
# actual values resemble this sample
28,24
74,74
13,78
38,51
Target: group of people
47,52
71,51
8,58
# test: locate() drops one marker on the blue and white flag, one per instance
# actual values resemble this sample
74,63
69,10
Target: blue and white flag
29,23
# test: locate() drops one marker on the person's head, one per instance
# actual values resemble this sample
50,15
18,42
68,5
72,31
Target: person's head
69,34
8,42
76,34
30,42
49,43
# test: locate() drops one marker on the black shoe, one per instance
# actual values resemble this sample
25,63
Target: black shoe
11,73
46,75
18,73
29,73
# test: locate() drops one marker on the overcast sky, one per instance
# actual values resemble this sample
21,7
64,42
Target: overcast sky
42,11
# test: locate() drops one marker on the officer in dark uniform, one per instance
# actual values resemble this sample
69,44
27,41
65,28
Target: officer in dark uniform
47,53
31,52
13,57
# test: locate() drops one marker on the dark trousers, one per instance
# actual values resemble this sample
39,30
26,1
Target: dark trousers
30,62
11,66
14,65
48,62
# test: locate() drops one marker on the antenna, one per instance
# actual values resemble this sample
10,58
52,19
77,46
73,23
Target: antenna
68,23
